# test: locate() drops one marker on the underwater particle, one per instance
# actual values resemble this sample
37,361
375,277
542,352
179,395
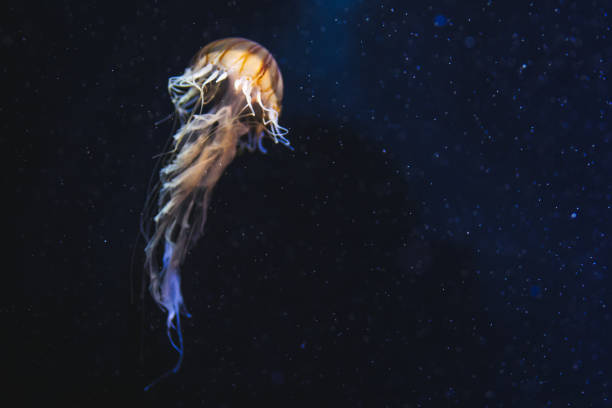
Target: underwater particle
440,20
469,42
228,98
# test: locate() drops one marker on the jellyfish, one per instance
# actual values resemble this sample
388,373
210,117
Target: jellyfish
228,99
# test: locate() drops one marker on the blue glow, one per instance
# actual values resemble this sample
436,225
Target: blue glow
168,250
440,20
178,348
260,145
172,300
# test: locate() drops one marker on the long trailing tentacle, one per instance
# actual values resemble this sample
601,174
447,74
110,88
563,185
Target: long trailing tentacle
208,145
204,147
173,302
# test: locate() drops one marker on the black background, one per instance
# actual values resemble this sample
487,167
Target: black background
439,237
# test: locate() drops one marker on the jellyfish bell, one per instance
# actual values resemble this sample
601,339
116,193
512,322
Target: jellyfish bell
248,71
229,97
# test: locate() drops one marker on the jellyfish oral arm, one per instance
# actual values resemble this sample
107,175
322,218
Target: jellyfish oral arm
171,299
171,296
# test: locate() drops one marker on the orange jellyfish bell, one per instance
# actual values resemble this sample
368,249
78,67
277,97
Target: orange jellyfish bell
229,97
249,69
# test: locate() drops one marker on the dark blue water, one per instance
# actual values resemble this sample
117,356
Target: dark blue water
439,237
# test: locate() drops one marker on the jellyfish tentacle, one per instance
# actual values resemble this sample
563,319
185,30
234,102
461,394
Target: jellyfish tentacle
277,132
247,88
203,71
171,288
187,89
178,347
260,146
221,77
211,78
237,84
192,173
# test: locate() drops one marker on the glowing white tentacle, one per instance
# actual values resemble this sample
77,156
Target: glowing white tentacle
221,77
246,90
203,71
210,78
237,84
278,132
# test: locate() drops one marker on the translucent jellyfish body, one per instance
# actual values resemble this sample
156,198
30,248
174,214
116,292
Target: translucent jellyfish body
228,98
